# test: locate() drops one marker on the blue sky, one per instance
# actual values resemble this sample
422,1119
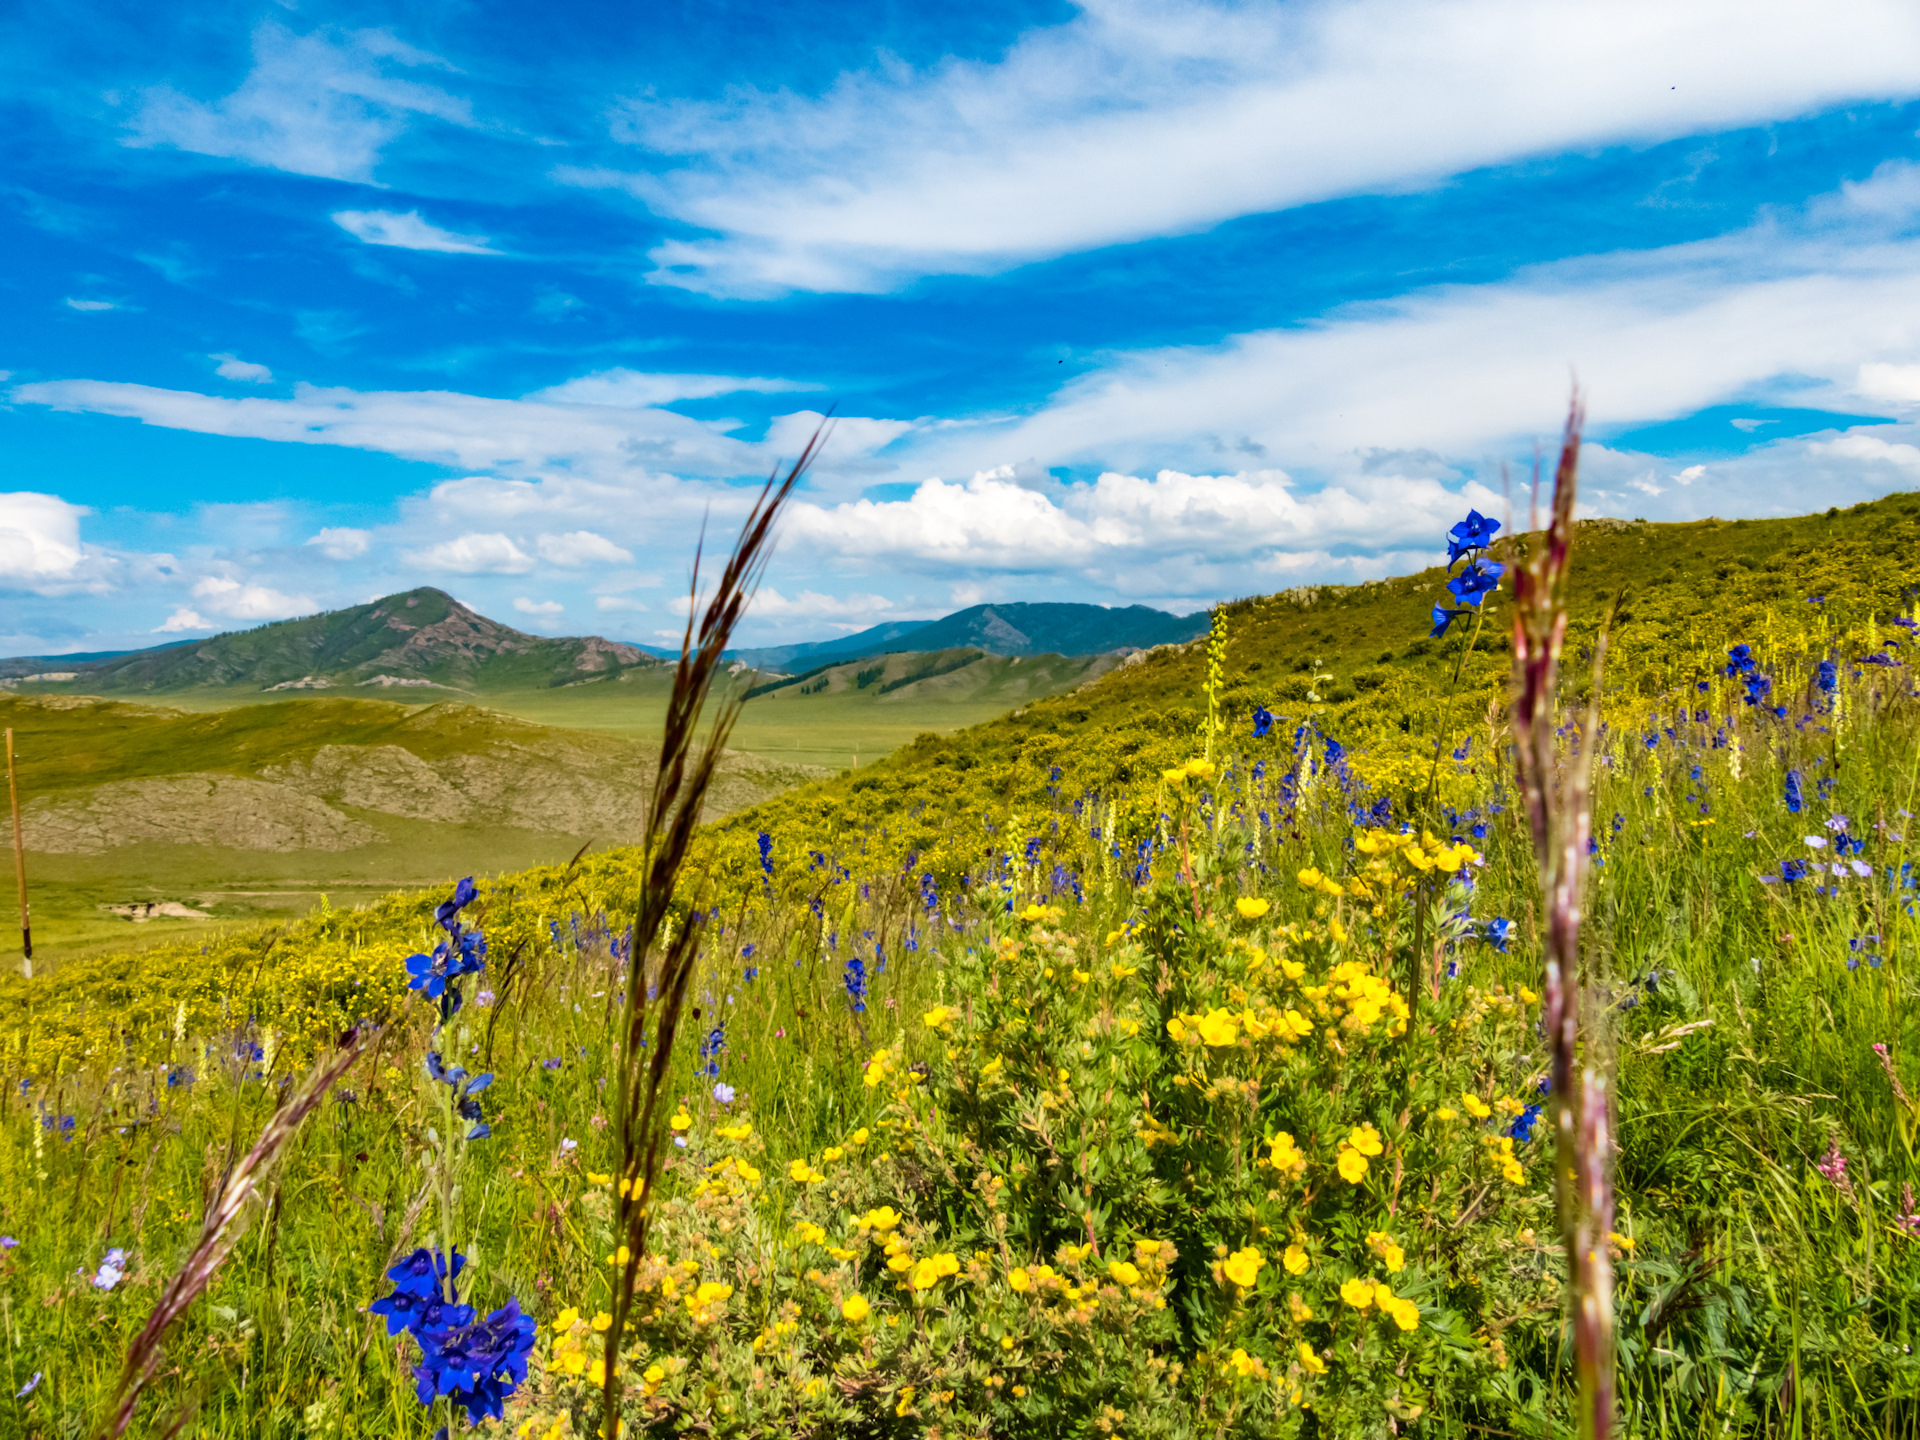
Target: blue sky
1126,302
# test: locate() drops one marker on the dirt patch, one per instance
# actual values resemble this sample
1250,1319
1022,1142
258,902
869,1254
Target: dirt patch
141,911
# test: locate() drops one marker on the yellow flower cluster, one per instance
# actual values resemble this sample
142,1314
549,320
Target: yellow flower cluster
1362,1294
1360,1144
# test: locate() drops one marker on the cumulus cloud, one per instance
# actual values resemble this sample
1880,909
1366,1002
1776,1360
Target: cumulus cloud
617,604
240,600
408,232
579,549
1121,524
89,306
840,612
341,542
318,104
232,367
39,539
537,607
474,554
1139,118
183,618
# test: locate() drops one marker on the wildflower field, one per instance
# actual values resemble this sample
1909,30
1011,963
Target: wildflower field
1164,1059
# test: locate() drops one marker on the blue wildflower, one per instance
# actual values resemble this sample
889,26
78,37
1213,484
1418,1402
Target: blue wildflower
711,1045
1476,582
766,854
1475,532
856,983
1829,677
1521,1130
477,1365
1262,722
1497,931
1442,618
421,1273
1796,798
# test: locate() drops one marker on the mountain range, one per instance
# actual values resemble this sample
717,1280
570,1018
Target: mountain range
424,639
1013,629
421,639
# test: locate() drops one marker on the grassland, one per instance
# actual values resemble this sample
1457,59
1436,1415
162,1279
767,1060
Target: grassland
1003,984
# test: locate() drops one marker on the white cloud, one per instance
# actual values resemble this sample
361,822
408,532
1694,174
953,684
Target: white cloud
232,367
1898,384
471,431
1140,118
183,618
89,306
617,603
39,539
1001,520
538,607
633,389
475,554
238,600
311,105
341,542
579,549
408,232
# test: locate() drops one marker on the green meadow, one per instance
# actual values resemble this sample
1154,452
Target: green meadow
1161,1057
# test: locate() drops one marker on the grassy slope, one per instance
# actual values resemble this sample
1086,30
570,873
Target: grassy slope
1760,1301
69,745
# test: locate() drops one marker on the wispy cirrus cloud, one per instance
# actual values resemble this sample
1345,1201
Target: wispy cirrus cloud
323,104
408,232
1138,118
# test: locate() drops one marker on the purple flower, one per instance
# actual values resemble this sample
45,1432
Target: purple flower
724,1093
7,1242
112,1270
28,1388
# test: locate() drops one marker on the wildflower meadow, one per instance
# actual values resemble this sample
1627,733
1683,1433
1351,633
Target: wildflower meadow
1523,1045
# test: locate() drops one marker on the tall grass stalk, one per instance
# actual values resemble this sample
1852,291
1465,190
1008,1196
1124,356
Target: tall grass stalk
655,995
1556,790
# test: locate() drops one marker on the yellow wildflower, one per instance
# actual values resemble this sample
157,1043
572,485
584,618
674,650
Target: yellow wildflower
1352,1164
1357,1292
855,1308
1217,1028
1252,907
1243,1267
1476,1107
1284,1155
1309,1361
1295,1259
937,1018
1366,1140
1124,1272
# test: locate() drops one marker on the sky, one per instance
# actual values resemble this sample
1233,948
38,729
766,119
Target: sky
1126,302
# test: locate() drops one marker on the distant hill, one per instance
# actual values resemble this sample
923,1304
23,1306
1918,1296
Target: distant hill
423,639
1015,629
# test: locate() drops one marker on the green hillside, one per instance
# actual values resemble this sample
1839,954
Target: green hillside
259,809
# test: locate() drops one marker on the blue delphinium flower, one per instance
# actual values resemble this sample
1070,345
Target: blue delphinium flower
711,1045
1521,1129
1442,618
856,982
1829,677
420,1273
1475,532
1497,931
1476,581
477,1365
766,855
1796,798
465,1090
1262,722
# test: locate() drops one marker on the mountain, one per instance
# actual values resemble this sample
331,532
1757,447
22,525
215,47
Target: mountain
423,639
1015,629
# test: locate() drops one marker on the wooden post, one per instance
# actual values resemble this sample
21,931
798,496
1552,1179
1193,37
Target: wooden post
20,866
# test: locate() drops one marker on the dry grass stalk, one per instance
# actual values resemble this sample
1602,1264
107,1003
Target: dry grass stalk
219,1231
656,994
1557,790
